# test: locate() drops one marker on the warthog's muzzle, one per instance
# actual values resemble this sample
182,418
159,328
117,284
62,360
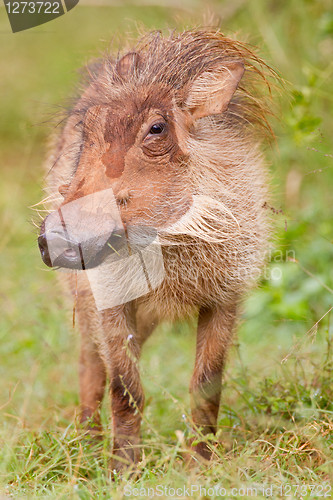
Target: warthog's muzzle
81,233
58,250
87,234
86,231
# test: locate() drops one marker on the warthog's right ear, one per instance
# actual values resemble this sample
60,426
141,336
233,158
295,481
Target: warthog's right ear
212,91
127,64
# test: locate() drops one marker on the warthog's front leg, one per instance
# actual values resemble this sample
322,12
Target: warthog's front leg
213,339
92,372
120,350
92,384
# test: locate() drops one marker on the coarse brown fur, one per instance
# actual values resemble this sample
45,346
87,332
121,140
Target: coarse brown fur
201,184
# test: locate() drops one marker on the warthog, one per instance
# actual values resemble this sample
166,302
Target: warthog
158,192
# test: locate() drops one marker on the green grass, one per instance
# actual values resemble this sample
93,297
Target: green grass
276,420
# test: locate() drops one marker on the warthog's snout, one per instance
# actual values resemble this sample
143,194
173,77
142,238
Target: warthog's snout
59,250
82,233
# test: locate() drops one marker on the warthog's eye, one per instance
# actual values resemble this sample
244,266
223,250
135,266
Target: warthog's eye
156,141
157,128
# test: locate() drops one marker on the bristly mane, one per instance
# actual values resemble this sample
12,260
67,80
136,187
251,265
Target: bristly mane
175,61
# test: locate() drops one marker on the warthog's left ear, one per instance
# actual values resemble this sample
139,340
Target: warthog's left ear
128,63
212,91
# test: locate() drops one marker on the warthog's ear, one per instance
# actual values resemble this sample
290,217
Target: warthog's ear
212,91
128,63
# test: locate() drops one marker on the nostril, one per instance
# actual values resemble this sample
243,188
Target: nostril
70,253
42,243
43,248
